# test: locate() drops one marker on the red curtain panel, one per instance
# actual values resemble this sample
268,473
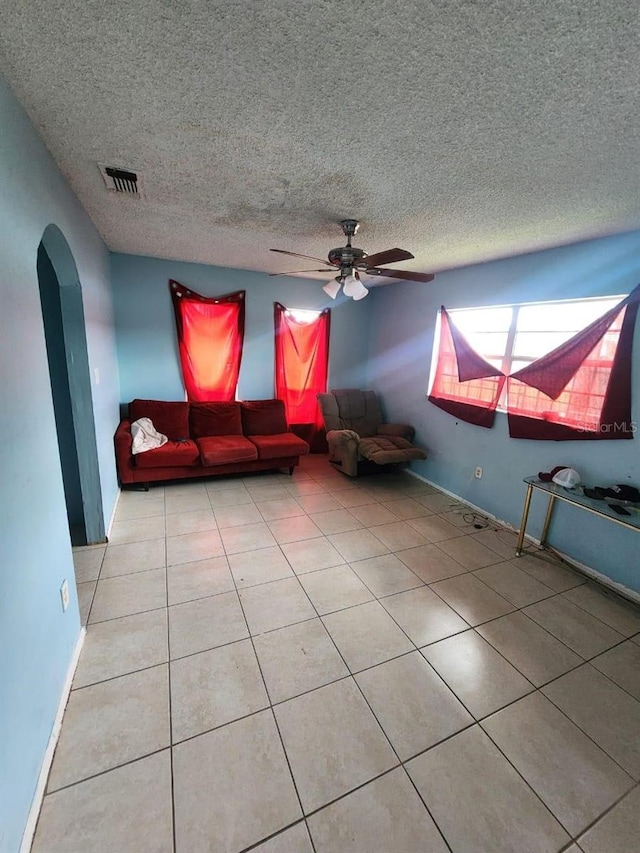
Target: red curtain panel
210,338
582,389
465,385
302,365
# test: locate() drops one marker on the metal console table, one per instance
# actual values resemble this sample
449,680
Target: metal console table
576,498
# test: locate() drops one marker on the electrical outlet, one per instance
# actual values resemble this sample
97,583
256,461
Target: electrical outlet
478,473
64,595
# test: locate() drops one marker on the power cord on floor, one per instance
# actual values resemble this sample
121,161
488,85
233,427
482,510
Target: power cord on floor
480,522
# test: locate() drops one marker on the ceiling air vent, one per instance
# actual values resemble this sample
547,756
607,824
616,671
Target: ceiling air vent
121,181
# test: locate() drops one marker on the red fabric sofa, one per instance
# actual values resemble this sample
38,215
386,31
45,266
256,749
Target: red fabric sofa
206,439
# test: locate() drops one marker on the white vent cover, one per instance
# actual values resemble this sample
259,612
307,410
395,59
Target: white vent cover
123,181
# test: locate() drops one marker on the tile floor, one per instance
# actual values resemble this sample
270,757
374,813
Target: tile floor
311,663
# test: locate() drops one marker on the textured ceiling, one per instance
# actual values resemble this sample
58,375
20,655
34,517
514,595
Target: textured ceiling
462,131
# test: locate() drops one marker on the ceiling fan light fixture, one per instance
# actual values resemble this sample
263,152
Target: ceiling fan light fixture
332,287
354,288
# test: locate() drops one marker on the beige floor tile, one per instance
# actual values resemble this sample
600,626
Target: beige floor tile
366,635
333,742
386,575
479,801
603,711
436,501
355,497
373,514
254,567
85,598
573,626
136,496
205,624
295,529
126,809
189,581
618,831
293,840
398,536
127,510
133,557
185,487
267,491
310,556
229,497
190,522
423,616
469,553
460,517
334,589
274,605
336,521
136,530
304,487
549,572
278,509
193,546
124,645
236,516
87,563
430,563
323,502
533,651
517,587
412,704
385,815
406,508
358,545
110,723
215,687
614,611
186,501
494,540
232,787
622,665
249,537
472,599
575,779
129,594
480,677
297,659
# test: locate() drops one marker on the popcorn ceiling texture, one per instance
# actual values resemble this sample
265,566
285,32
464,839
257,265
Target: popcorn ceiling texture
463,131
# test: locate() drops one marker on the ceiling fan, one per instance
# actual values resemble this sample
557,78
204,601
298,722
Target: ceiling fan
352,262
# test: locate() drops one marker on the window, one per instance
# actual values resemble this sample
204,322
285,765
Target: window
567,366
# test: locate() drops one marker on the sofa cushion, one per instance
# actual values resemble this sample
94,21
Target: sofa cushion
263,417
279,446
173,454
171,419
225,449
215,419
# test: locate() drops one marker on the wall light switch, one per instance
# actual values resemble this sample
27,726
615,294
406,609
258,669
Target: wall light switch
64,595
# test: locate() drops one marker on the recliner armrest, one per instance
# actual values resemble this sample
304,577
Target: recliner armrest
124,460
342,436
403,430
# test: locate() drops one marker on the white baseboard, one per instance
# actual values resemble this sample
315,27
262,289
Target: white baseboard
618,588
113,513
36,804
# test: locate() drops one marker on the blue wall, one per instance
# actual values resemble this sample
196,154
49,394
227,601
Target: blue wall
36,638
146,332
401,345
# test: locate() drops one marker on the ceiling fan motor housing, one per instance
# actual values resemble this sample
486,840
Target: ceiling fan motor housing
347,256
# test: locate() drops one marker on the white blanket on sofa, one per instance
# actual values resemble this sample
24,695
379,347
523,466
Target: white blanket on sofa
145,436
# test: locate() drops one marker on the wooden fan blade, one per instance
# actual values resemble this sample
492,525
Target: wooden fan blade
403,274
297,255
300,272
390,256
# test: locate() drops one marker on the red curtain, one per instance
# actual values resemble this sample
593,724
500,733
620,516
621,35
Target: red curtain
582,389
302,364
210,339
465,385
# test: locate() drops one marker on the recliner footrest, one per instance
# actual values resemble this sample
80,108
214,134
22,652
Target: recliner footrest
389,450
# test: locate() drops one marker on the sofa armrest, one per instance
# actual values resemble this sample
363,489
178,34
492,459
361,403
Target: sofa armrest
402,430
342,436
124,458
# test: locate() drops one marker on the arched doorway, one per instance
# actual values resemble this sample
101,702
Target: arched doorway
65,336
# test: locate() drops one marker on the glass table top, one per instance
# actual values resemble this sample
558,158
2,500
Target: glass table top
578,498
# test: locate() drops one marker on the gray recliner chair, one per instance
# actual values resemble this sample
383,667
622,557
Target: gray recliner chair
358,440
